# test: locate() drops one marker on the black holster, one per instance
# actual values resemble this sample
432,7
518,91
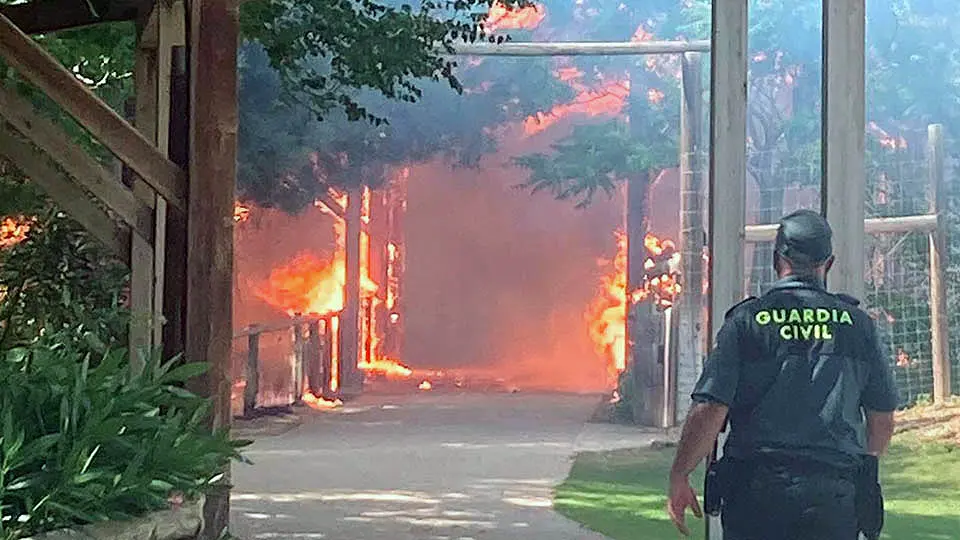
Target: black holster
715,485
869,498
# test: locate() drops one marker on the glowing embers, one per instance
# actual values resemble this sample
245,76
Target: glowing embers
320,403
13,230
241,212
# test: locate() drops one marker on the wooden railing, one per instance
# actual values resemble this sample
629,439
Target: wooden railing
313,357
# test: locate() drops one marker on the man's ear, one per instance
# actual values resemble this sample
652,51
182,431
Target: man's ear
828,264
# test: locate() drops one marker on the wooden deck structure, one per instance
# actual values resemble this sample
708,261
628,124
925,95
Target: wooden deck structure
171,220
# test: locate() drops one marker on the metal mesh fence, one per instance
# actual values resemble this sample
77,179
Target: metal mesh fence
897,266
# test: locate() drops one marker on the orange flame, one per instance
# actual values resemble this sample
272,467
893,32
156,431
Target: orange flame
502,17
425,385
609,99
886,139
903,359
241,213
386,367
319,403
13,231
311,286
607,314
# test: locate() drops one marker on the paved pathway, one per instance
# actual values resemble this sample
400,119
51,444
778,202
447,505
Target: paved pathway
422,467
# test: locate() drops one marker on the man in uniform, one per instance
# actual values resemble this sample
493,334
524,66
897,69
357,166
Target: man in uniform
809,395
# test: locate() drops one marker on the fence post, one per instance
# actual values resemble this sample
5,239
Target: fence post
689,308
939,259
314,358
330,351
297,360
252,387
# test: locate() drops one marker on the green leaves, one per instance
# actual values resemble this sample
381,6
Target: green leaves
84,440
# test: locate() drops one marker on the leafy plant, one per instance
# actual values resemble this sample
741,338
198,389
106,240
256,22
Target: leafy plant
57,278
84,440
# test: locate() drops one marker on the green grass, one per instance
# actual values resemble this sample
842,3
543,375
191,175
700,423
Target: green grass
622,493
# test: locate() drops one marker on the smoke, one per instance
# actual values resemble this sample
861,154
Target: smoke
499,279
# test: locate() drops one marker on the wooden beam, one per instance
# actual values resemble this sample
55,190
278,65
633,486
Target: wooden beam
349,356
214,36
332,205
252,387
150,37
45,16
581,48
939,262
690,304
65,193
175,254
843,188
85,171
887,225
40,68
728,172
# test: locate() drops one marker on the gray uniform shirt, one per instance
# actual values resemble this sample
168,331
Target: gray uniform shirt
798,367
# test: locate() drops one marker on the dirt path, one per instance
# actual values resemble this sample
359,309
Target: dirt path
422,467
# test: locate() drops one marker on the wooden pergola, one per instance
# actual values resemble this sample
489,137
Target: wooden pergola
169,216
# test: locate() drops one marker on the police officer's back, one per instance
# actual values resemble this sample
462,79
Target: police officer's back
794,371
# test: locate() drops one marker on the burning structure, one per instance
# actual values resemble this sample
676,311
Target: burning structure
454,279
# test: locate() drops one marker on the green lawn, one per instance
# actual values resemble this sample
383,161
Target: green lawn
622,494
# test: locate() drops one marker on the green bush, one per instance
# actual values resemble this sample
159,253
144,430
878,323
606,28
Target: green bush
83,440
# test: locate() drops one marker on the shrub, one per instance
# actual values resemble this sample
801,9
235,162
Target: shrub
83,440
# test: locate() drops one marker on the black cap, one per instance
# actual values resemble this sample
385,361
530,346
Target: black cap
804,237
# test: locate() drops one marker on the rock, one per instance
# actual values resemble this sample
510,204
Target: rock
178,524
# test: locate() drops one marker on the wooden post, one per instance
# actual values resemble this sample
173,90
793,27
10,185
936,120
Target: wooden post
330,351
939,261
213,38
728,171
350,329
691,340
298,372
843,188
175,259
314,358
252,388
643,328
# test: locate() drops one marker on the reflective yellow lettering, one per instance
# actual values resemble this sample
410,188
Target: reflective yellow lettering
805,331
779,316
845,318
823,315
785,332
825,332
795,316
808,316
762,318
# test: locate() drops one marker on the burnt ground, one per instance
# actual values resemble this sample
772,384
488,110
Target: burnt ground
931,423
426,466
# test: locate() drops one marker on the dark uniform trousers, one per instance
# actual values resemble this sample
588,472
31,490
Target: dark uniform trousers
783,502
